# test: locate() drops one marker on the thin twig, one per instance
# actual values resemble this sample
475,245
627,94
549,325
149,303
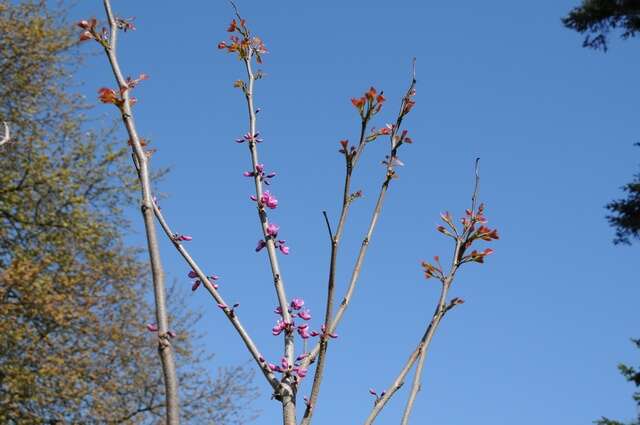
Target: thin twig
164,346
335,244
476,188
287,393
232,316
374,220
326,220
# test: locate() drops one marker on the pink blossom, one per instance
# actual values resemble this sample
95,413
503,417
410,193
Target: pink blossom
300,371
196,285
303,331
314,333
273,367
260,168
272,230
305,315
268,200
172,334
302,356
278,310
282,247
223,306
284,364
86,35
180,238
152,327
297,303
278,328
247,174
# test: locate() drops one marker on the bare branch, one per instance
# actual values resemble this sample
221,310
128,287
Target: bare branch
232,316
390,174
326,220
164,345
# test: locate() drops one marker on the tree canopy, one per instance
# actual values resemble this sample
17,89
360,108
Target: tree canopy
596,18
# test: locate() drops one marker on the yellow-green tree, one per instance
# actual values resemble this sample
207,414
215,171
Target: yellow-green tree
74,347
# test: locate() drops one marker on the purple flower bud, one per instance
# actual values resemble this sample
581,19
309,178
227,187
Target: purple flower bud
261,244
284,363
305,315
152,327
192,274
196,285
269,200
272,229
297,303
300,371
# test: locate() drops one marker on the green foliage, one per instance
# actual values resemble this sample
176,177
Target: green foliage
631,375
74,347
626,213
597,18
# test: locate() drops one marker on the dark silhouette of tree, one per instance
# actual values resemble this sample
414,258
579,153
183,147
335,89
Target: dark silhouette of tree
596,19
631,375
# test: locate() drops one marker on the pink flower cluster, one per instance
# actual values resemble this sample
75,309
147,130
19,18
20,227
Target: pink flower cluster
272,233
248,137
266,200
295,310
198,282
287,368
259,172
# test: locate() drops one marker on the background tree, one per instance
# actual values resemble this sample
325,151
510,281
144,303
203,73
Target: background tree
596,18
74,345
632,375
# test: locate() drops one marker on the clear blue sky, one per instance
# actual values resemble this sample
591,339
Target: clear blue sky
545,321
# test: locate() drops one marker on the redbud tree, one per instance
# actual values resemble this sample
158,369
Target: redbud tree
304,346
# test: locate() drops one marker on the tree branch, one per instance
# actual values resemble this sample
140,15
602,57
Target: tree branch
157,273
231,315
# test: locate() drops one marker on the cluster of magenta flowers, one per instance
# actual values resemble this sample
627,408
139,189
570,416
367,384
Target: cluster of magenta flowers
295,310
259,173
287,368
272,232
181,238
197,282
376,395
267,200
248,137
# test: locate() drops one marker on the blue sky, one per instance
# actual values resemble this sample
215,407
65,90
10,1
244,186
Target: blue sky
549,316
